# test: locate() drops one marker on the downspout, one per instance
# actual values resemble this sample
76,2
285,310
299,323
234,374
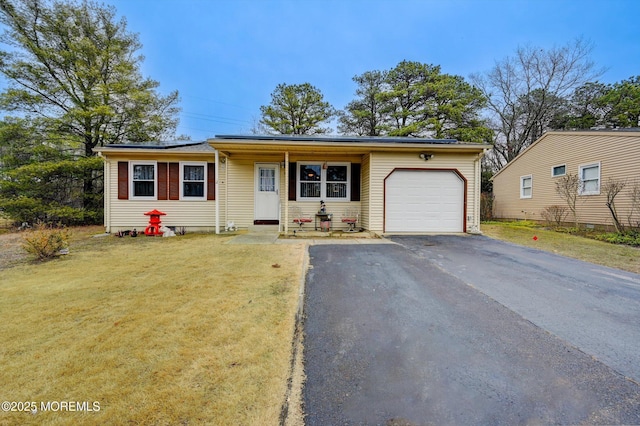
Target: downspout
286,192
475,227
217,190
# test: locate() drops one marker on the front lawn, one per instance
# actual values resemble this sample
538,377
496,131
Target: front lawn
578,247
184,330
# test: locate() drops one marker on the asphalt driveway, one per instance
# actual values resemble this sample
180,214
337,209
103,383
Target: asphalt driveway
468,330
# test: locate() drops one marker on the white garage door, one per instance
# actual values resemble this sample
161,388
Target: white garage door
424,201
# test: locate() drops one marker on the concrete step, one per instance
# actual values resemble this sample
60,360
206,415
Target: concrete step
264,228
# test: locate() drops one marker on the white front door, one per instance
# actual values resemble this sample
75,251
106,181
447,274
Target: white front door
267,190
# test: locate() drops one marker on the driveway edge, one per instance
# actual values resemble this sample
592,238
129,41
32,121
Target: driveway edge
292,413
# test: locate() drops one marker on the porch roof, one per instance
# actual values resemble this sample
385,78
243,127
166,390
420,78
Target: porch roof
157,148
336,144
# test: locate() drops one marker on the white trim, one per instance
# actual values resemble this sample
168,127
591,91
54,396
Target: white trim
181,174
132,193
581,168
559,165
217,189
323,181
522,178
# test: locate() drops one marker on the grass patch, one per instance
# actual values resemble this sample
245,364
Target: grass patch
577,247
184,330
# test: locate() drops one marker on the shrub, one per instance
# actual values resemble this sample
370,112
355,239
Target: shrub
630,238
45,243
554,215
486,206
53,191
31,210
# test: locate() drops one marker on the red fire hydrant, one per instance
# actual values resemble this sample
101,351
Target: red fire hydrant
154,223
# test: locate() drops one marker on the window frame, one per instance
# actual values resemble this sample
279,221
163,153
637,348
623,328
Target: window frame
581,168
183,197
522,187
132,180
555,167
323,181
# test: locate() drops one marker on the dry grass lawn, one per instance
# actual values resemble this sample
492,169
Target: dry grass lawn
185,330
598,252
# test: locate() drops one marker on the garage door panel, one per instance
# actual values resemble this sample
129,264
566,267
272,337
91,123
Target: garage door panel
424,201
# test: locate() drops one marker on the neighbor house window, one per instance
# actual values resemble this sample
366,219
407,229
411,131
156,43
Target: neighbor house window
590,177
143,182
324,181
526,186
559,170
193,181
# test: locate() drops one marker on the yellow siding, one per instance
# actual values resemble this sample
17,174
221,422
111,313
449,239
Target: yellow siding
617,153
240,192
129,214
365,192
382,164
241,185
236,188
337,208
222,193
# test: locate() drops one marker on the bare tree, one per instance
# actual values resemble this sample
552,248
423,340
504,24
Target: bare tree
527,91
612,187
568,187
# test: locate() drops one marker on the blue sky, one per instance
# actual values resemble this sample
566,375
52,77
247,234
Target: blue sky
226,57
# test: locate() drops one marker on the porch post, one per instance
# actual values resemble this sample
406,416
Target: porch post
217,194
286,192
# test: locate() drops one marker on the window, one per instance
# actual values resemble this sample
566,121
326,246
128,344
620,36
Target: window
590,177
310,177
192,181
526,186
559,170
267,180
318,181
143,182
336,182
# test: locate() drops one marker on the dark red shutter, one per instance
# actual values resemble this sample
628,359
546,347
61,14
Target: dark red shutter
211,181
355,181
174,181
123,180
292,181
162,181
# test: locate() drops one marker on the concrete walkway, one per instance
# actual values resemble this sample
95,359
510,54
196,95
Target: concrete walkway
255,238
